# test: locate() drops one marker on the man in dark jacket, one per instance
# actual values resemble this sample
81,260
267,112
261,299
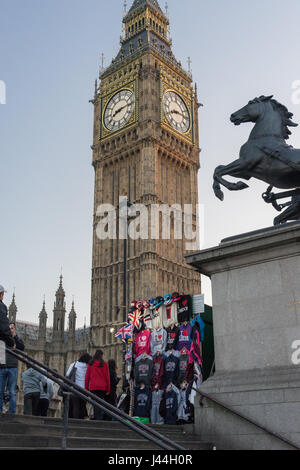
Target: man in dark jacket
9,373
7,338
5,333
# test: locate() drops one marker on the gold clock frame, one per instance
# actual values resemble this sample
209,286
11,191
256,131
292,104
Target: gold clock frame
189,135
130,86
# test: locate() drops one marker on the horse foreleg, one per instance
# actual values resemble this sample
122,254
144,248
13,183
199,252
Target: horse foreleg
236,169
217,186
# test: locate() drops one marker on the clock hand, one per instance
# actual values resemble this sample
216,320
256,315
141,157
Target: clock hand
121,109
118,111
174,111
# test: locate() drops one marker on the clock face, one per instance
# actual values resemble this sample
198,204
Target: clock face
119,109
176,112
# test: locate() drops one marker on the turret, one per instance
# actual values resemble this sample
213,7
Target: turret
59,312
43,322
12,310
72,322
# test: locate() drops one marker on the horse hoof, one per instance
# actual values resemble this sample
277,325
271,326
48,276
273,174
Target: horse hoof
219,194
241,185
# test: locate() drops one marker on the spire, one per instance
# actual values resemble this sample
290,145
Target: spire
139,4
72,320
189,61
12,309
43,321
72,311
101,68
167,9
60,291
125,8
43,311
59,312
145,28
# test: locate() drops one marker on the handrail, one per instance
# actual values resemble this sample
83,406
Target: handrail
249,420
119,415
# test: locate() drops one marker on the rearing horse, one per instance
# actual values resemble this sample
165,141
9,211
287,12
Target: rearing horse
266,155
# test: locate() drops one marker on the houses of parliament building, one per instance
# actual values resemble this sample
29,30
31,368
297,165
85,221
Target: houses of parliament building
145,148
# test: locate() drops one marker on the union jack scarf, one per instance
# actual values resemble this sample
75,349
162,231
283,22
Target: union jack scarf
128,356
125,333
135,318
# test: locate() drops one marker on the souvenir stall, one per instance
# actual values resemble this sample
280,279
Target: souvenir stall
163,360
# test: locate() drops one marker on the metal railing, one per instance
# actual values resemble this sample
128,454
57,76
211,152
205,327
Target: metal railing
72,388
249,420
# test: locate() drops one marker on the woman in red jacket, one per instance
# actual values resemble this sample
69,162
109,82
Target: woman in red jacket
97,380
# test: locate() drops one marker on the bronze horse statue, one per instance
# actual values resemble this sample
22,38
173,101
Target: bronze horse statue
266,156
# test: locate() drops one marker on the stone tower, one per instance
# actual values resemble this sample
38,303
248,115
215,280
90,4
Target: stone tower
145,148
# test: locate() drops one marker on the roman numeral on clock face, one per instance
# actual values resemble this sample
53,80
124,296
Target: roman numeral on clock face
119,110
176,112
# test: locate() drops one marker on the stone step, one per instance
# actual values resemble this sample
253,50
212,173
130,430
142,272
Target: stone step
19,431
77,431
87,423
50,442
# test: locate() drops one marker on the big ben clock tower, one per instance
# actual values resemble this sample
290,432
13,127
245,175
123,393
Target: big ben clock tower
146,148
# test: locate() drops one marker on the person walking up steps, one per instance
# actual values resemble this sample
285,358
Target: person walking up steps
97,380
78,404
32,391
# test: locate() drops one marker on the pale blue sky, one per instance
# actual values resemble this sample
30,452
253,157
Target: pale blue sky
49,58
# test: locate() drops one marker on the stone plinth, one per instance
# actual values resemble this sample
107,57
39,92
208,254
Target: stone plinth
256,311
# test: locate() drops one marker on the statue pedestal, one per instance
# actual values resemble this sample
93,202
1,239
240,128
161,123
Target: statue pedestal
256,311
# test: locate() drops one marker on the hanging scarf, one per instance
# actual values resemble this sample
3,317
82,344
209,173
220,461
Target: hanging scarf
135,318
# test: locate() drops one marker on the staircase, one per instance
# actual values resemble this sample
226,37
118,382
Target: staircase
21,432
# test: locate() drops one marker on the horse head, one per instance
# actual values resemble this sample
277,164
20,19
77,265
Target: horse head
251,112
269,110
